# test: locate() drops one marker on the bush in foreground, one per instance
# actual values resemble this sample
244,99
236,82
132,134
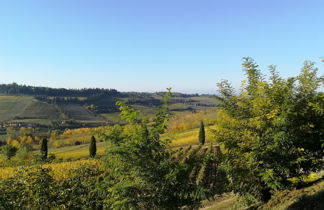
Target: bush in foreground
272,130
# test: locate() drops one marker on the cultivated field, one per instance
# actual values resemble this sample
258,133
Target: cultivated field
13,106
79,113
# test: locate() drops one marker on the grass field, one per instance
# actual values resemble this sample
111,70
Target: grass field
47,122
311,197
76,152
13,106
178,138
112,118
188,137
225,202
29,110
41,110
79,113
59,171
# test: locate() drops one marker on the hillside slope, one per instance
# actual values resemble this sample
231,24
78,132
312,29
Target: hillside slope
307,198
63,111
12,106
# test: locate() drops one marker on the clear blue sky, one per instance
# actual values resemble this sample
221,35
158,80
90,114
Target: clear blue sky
148,45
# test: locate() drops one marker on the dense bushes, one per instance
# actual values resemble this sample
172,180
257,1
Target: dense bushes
8,151
142,172
35,188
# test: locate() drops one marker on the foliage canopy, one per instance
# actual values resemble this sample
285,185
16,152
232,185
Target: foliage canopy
141,171
272,129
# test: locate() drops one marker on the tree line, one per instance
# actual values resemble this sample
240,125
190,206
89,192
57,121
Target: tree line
15,89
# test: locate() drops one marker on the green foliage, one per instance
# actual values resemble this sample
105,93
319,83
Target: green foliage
11,133
8,151
27,189
202,137
82,190
272,130
35,188
92,147
23,153
141,172
44,149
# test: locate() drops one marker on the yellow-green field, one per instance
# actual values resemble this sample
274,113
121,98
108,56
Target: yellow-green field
59,171
12,106
76,152
27,109
179,138
188,137
75,155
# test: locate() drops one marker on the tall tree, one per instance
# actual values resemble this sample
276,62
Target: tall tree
272,130
92,147
44,149
202,136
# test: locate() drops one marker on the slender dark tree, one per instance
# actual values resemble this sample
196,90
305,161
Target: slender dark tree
93,147
44,149
145,132
202,133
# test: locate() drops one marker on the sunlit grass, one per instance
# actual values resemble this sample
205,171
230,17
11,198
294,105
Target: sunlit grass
77,152
59,171
188,137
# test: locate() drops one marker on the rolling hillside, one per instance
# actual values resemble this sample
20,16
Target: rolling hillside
91,110
79,113
13,106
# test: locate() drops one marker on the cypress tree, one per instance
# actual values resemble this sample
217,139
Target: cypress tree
202,133
93,147
44,148
145,132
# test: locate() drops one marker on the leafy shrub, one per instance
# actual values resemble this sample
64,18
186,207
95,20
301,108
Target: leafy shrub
23,153
142,173
29,188
8,151
35,188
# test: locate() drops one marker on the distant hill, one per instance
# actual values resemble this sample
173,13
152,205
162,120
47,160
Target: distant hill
59,107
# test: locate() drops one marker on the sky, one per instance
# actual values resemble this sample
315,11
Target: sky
149,45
